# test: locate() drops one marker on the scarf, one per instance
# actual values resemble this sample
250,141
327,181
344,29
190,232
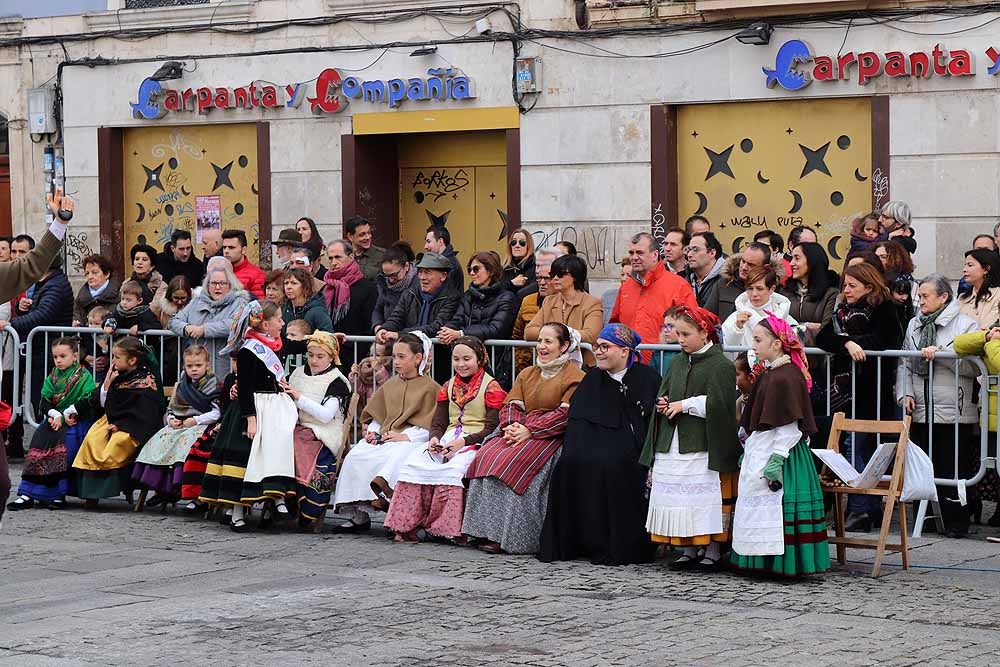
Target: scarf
705,320
338,289
428,360
243,322
622,336
132,312
68,387
273,344
325,341
790,345
852,319
550,369
404,283
95,292
928,335
463,391
191,398
425,305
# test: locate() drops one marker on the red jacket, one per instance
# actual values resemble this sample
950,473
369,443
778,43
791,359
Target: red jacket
252,277
640,306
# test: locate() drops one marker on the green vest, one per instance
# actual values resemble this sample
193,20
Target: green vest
473,415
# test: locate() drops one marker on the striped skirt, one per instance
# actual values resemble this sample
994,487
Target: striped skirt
227,465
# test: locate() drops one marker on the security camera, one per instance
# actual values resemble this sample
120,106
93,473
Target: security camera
484,27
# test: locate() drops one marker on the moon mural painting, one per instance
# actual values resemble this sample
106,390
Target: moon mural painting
142,212
702,203
857,175
797,201
831,247
761,179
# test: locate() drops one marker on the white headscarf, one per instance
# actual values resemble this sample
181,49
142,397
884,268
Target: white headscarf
575,355
428,351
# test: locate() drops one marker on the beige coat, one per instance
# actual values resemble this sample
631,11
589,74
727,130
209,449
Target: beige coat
583,312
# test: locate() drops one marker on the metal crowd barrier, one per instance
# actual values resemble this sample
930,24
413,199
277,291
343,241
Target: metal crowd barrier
11,354
163,340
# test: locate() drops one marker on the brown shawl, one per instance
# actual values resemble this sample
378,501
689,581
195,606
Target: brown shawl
399,404
779,397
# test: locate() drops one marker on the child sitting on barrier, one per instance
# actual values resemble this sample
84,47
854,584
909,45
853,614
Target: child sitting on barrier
193,407
45,479
371,373
131,313
132,403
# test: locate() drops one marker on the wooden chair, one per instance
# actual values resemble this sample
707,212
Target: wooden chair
890,491
168,393
352,410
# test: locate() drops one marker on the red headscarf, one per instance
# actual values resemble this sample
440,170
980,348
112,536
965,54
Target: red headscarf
706,320
790,344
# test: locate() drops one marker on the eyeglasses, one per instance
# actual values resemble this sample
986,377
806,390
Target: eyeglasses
602,347
218,283
392,277
474,269
179,298
692,248
518,243
542,279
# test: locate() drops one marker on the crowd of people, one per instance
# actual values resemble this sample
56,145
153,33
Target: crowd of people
580,446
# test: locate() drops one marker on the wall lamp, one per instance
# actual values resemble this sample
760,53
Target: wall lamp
758,34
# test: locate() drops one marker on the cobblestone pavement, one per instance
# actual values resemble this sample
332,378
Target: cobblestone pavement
114,588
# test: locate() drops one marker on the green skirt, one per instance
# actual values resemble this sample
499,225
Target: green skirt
97,484
807,550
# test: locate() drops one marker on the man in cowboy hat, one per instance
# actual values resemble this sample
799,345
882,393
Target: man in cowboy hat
288,240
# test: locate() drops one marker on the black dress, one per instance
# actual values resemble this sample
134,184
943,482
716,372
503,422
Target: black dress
597,498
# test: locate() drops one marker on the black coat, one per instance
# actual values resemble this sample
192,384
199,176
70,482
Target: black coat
193,269
597,505
52,306
527,269
456,277
388,299
406,316
486,313
358,319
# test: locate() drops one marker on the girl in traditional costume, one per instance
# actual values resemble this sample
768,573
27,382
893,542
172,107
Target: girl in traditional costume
398,418
509,478
322,394
201,451
131,399
46,477
253,457
194,406
430,493
779,526
692,445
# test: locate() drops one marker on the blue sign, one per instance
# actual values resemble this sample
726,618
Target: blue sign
786,73
442,84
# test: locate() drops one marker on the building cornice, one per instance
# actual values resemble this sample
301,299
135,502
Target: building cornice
225,12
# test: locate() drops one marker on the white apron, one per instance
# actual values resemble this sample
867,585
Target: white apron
273,451
759,518
365,462
686,498
420,468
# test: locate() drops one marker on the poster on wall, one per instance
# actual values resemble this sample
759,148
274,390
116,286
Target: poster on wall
208,214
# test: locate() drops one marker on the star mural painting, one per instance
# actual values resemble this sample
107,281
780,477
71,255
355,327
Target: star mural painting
778,179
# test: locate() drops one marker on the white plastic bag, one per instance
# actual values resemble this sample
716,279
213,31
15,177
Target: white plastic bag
918,475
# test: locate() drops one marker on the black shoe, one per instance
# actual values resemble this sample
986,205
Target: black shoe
239,526
858,523
194,508
976,511
59,504
21,503
684,563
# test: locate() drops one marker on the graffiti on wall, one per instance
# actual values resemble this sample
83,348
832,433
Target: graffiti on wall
77,248
601,246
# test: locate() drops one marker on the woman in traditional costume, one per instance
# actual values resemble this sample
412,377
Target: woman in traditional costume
253,457
322,394
430,493
597,505
194,406
45,479
509,478
131,399
398,418
780,524
692,445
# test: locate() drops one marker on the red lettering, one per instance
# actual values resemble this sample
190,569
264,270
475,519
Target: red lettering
254,99
824,68
961,63
869,66
188,96
269,97
221,98
204,100
326,100
242,98
842,62
920,65
171,100
895,64
939,65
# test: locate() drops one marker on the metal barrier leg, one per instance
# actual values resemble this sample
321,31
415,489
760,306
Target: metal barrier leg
918,524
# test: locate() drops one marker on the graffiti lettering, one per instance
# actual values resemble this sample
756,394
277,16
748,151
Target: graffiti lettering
659,225
76,249
442,180
168,197
880,187
790,221
598,245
